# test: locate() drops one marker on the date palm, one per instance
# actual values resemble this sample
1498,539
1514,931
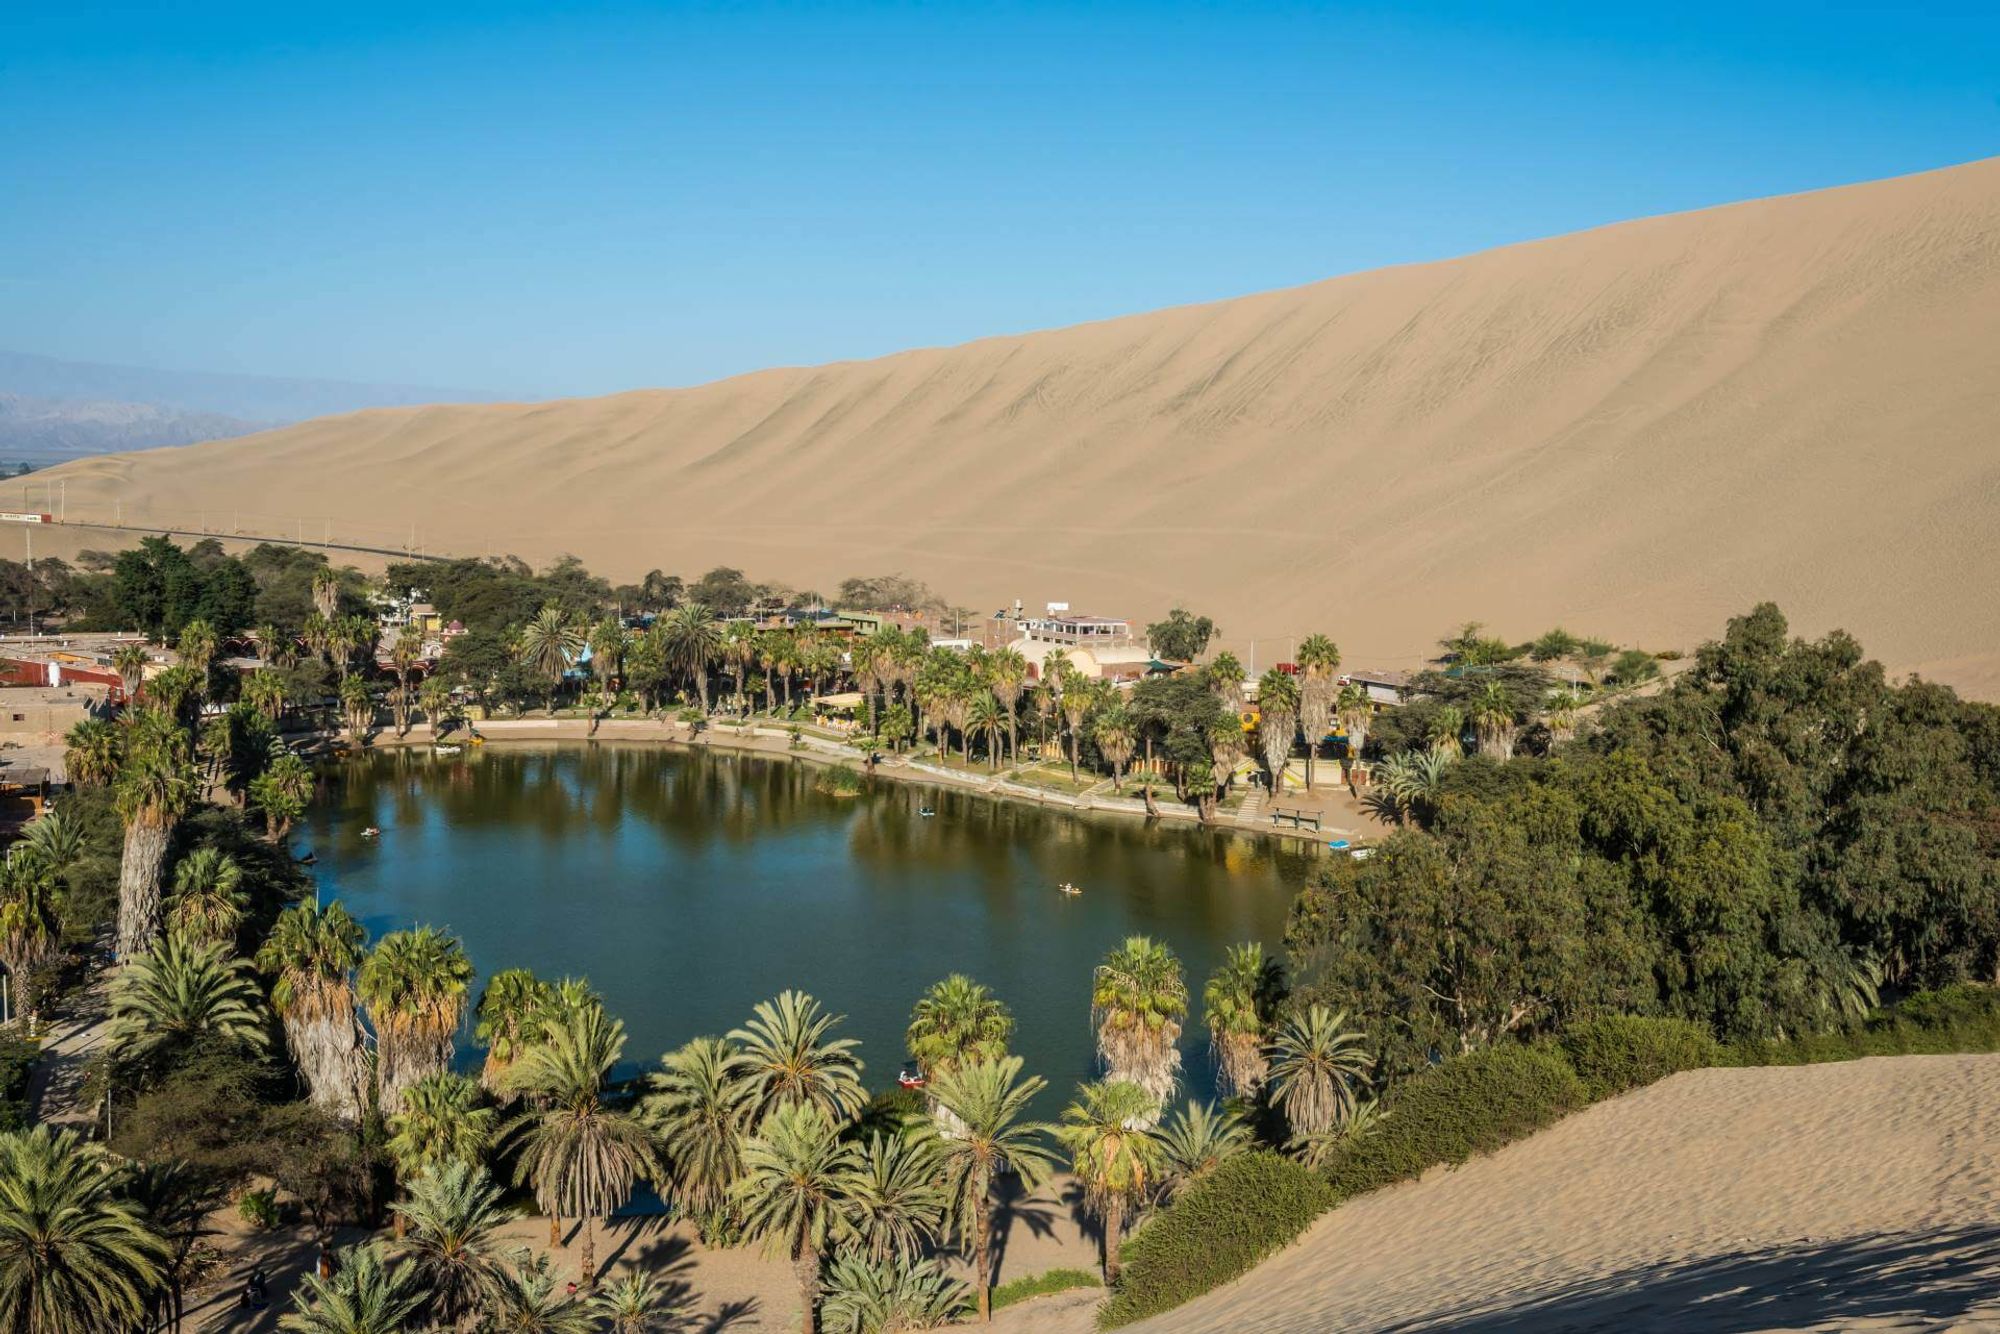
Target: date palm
1277,722
1319,686
547,644
156,786
1241,1005
985,719
793,1192
1076,703
1318,1070
366,1295
1138,1001
988,1099
178,995
580,1156
790,1056
1195,1141
897,1203
690,638
1007,674
1116,1160
1116,739
698,1105
442,1123
864,1295
1354,708
208,902
92,751
448,1237
634,1304
414,984
312,953
56,838
74,1255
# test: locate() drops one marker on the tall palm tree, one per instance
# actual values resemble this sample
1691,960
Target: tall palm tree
690,637
92,751
448,1235
580,1156
1354,708
698,1105
897,1202
1138,1001
1277,722
326,593
790,1057
282,793
30,928
634,1304
1116,739
1564,705
176,693
434,697
509,1018
985,719
1318,1068
548,643
1224,675
1241,1005
364,1296
1446,733
1493,719
156,787
73,1254
528,1301
1195,1141
208,902
56,838
1115,1159
414,984
957,1020
1076,702
179,994
989,1101
404,656
313,952
793,1192
738,650
130,662
265,692
357,708
607,664
442,1123
274,646
1007,674
1319,686
196,648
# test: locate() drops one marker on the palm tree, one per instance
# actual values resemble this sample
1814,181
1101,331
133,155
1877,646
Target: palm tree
690,638
1319,684
265,692
92,751
1224,675
793,1192
985,719
1318,1067
414,984
988,1099
404,655
548,643
180,993
1241,1003
156,787
897,1203
1564,705
1493,719
738,650
1007,674
30,928
326,593
1138,1000
790,1057
357,708
527,1301
1195,1141
196,648
73,1254
208,902
1446,733
57,839
699,1107
364,1296
1076,701
865,1295
1277,722
441,1124
580,1156
1409,786
447,1234
282,793
1354,708
607,659
434,697
130,662
175,692
634,1304
1116,739
509,1018
313,952
1115,1159
274,646
957,1020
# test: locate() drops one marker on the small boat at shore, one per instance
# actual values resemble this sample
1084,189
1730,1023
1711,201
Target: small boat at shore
926,812
447,748
910,1081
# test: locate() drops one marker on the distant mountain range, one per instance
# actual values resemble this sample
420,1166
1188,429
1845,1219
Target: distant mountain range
52,411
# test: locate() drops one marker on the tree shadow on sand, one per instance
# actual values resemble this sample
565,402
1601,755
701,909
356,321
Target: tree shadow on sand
1014,1207
1929,1276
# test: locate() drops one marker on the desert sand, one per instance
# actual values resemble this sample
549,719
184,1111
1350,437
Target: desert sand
1635,431
1861,1196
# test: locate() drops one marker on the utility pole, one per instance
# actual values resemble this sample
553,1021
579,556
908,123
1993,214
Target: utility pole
62,508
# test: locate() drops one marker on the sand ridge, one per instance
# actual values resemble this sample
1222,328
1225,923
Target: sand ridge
1636,431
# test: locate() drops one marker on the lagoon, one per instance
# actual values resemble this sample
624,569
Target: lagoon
687,885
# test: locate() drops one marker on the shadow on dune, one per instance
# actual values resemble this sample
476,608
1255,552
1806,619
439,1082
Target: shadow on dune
1928,1277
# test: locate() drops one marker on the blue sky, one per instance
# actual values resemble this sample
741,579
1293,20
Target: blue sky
512,198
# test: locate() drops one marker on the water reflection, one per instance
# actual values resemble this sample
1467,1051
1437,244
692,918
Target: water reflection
688,886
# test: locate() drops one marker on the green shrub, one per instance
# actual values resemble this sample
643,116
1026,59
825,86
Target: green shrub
17,1060
1621,1052
839,781
1960,1018
259,1209
1041,1285
1473,1104
1225,1223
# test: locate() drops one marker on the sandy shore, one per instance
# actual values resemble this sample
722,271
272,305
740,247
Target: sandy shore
1858,1196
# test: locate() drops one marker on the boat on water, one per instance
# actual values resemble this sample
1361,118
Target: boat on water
447,748
308,859
926,812
371,832
1067,888
910,1081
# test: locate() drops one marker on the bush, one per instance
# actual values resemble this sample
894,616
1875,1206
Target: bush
1041,1285
259,1209
1473,1104
1622,1052
1960,1018
1225,1223
839,781
17,1060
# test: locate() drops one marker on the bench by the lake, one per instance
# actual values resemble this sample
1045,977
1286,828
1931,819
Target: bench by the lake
1296,818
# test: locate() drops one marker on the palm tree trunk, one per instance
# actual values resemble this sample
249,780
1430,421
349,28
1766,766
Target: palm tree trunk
1114,1227
586,1270
983,1260
806,1265
146,840
555,1231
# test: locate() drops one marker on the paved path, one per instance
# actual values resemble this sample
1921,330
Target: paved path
69,1044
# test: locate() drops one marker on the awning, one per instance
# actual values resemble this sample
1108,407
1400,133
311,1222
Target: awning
846,699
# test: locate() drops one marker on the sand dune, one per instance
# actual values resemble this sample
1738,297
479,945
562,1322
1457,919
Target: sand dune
1862,1196
1635,431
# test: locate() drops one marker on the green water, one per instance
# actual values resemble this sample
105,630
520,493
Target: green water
686,887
